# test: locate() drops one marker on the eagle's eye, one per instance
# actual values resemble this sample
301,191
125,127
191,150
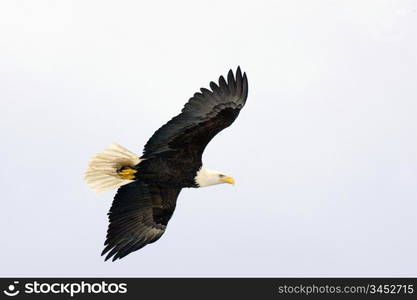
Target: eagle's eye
221,175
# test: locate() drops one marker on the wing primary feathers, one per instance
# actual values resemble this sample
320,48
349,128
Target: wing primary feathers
206,93
215,88
125,250
245,86
238,73
238,81
231,82
223,84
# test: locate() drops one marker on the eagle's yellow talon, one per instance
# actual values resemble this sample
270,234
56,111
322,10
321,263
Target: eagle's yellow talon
127,173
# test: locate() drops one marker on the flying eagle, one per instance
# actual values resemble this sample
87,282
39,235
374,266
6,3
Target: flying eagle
149,185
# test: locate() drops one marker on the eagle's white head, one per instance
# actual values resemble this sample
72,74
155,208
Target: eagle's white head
206,177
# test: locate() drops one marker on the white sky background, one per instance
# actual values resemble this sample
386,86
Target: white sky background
324,152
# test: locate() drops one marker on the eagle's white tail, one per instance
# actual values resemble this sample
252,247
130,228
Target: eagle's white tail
103,171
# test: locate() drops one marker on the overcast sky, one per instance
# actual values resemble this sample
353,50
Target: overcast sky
324,153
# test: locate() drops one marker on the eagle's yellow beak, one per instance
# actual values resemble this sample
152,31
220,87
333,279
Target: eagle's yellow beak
228,179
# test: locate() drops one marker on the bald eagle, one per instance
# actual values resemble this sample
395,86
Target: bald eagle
149,185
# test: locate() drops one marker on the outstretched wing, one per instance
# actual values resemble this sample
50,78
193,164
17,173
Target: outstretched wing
205,115
139,215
